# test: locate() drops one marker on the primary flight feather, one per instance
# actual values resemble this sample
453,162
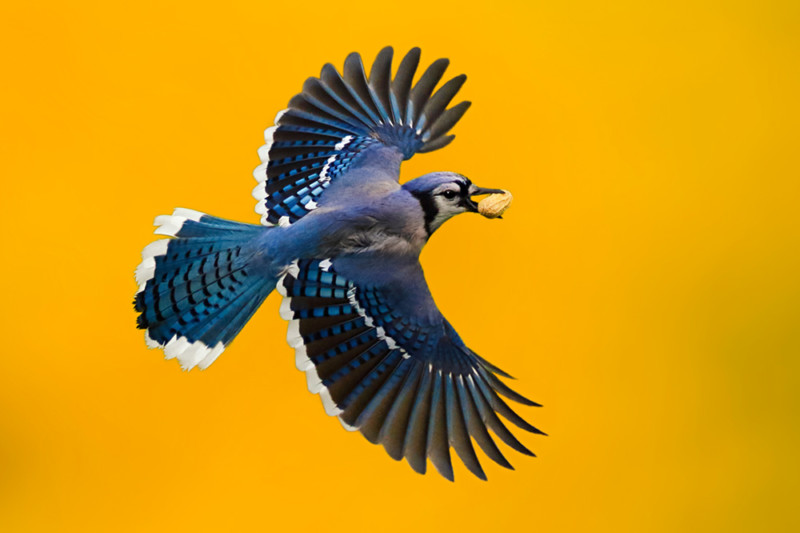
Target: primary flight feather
340,240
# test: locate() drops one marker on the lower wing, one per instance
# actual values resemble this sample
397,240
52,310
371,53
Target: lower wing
387,363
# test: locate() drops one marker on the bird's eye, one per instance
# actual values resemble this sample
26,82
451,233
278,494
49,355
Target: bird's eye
449,194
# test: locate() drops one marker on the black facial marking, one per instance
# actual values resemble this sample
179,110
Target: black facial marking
428,208
426,201
463,194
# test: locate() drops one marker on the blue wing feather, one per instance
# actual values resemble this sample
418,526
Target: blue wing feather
351,117
392,366
380,79
356,82
377,408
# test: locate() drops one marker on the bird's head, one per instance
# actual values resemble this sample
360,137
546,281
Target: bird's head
443,195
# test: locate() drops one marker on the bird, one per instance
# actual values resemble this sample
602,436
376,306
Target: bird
339,239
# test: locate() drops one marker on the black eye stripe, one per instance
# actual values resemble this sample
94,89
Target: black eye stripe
463,190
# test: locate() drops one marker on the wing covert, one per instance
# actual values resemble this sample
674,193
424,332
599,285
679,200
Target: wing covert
403,378
341,122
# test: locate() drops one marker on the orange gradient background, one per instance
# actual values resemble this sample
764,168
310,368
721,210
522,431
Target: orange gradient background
644,286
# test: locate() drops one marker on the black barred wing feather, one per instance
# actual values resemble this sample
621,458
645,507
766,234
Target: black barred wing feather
343,122
386,362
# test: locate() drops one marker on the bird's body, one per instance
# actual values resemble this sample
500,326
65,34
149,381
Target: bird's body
386,224
340,240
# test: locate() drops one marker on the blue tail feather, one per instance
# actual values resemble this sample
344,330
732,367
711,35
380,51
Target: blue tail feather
212,272
191,313
233,318
199,289
201,226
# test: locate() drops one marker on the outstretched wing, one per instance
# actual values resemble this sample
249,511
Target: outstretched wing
350,129
386,362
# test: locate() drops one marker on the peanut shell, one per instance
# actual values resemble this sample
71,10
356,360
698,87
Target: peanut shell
495,205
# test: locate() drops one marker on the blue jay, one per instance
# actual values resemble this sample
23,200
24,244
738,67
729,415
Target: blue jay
340,239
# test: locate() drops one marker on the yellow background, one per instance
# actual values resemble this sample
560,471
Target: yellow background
644,286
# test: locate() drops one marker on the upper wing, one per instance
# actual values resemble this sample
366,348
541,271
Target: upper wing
340,123
386,362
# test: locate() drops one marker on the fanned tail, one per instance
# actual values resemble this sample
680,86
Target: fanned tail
197,290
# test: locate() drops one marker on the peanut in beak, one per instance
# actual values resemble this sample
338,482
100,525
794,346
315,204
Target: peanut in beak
495,205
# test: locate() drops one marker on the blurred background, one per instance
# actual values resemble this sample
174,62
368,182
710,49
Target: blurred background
644,286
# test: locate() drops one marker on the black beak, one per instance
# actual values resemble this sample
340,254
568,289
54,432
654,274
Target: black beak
478,191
